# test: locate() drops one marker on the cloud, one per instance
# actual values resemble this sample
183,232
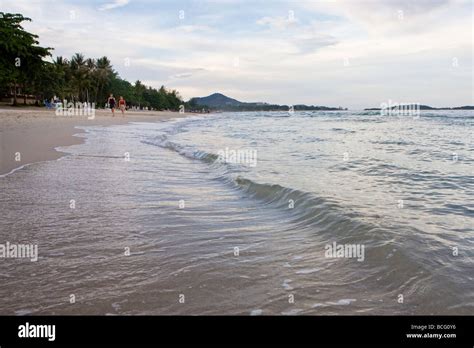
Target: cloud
279,61
279,22
113,4
313,43
194,28
389,17
181,75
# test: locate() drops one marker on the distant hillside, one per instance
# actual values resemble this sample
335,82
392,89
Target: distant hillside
218,101
427,107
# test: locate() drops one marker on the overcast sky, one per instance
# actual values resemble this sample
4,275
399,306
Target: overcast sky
353,53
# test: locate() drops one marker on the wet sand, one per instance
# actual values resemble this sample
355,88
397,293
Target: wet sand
30,135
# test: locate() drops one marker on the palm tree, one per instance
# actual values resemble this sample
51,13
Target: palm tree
103,75
79,72
139,91
63,72
90,77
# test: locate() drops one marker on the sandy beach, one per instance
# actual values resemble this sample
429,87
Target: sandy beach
34,132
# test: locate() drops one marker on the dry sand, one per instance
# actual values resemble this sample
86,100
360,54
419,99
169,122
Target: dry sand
34,132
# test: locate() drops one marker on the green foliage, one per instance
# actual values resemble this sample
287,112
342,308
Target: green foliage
76,79
21,59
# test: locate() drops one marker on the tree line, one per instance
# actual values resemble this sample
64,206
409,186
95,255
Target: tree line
77,79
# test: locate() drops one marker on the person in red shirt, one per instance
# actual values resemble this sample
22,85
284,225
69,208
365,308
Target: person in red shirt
122,105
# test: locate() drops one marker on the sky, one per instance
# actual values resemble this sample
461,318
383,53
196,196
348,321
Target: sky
352,53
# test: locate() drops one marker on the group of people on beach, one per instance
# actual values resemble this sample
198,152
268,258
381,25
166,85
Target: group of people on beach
111,102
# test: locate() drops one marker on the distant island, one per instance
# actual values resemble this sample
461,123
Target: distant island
220,102
425,107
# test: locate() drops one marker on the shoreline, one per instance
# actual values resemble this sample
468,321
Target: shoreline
30,134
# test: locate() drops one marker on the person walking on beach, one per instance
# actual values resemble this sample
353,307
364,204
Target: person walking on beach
111,102
122,105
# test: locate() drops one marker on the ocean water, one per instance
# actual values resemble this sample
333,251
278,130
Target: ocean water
162,218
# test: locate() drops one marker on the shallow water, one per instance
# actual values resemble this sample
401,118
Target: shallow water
209,237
